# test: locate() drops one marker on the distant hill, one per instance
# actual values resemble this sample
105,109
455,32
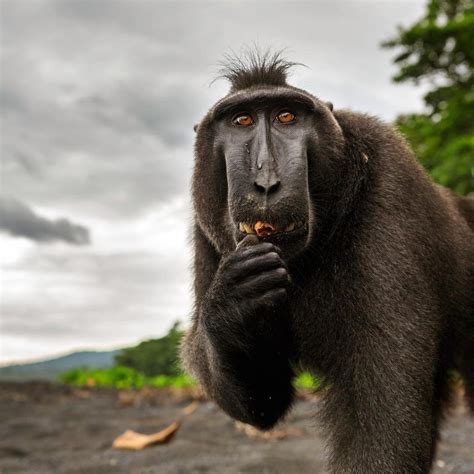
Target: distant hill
50,369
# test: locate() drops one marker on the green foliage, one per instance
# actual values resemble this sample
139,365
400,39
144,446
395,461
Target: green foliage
176,381
123,378
151,363
156,356
306,380
438,50
118,377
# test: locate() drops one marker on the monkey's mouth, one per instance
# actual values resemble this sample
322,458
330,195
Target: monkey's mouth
266,229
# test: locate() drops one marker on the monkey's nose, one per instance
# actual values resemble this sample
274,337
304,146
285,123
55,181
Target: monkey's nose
267,186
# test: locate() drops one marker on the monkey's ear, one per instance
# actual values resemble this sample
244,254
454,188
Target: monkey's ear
330,106
196,127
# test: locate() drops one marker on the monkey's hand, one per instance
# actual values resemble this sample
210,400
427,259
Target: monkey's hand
243,335
247,295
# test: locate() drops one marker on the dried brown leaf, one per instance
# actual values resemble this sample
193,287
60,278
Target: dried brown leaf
133,440
191,408
273,435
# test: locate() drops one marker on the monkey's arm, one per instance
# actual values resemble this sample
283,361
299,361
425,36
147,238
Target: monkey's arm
239,344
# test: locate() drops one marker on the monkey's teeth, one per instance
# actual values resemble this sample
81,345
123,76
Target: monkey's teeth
243,227
249,229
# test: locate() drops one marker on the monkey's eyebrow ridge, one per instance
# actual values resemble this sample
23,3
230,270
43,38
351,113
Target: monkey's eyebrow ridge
244,99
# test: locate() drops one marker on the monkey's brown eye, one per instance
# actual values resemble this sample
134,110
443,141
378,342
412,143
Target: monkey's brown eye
285,117
244,120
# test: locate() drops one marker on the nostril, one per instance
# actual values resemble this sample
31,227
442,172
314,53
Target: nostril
274,187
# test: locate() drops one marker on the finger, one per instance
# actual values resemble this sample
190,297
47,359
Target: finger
257,264
245,253
251,241
248,241
263,282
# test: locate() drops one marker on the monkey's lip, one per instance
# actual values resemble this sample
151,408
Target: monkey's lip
266,229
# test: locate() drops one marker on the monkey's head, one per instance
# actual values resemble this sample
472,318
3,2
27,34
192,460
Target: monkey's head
264,153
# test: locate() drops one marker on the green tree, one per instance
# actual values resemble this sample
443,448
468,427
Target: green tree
438,51
155,356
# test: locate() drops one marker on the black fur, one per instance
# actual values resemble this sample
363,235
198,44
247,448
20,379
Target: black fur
377,296
254,68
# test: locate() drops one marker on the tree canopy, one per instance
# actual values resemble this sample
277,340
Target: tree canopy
438,52
155,356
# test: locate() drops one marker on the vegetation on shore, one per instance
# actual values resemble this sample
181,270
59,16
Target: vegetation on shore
152,363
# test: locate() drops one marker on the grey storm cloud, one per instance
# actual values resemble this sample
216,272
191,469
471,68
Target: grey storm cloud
19,220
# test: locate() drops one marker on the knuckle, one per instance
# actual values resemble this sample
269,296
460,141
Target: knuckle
281,272
274,256
247,253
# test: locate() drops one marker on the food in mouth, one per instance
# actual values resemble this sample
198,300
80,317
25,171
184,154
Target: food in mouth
264,229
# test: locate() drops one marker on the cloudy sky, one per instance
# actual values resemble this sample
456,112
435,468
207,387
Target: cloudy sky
98,101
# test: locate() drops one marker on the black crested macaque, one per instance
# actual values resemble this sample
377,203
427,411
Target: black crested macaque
320,242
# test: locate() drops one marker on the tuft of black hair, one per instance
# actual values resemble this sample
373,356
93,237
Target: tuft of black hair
254,67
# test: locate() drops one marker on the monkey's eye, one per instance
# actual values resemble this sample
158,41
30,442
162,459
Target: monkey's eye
244,120
285,117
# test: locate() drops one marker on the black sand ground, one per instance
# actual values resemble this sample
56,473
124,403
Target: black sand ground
54,429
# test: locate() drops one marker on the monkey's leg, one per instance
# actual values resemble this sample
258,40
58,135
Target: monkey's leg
380,413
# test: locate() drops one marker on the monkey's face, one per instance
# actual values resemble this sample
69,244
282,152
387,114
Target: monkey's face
269,141
262,157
